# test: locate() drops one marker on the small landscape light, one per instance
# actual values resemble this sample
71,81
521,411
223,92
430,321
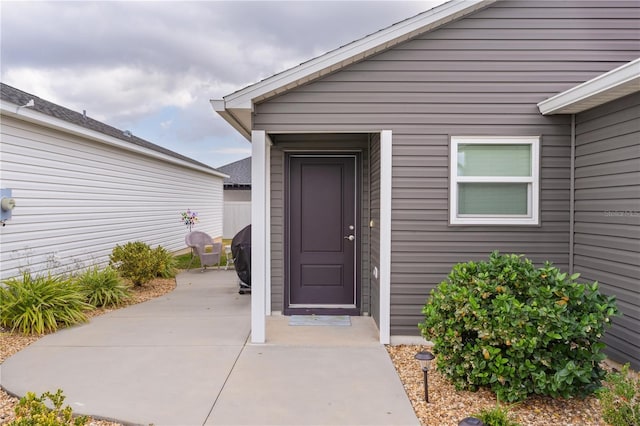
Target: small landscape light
425,358
471,421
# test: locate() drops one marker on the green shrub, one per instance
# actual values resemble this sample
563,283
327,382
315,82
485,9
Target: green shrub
496,416
620,398
38,304
165,263
32,411
134,261
103,287
518,330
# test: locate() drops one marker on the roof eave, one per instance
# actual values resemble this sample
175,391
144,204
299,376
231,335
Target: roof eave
237,117
234,107
604,88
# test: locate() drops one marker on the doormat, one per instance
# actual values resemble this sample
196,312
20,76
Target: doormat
335,320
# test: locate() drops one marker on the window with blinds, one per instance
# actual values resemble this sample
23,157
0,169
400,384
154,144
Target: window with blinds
494,180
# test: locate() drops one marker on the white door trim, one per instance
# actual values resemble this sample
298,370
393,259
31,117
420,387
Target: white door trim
386,153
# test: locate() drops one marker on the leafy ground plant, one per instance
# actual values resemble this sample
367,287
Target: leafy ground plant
41,303
518,330
33,411
103,287
496,416
620,398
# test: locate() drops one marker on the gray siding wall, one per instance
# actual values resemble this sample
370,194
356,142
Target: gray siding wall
318,142
607,214
374,209
482,75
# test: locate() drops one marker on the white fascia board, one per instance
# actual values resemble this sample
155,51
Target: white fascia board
353,52
29,115
219,106
594,92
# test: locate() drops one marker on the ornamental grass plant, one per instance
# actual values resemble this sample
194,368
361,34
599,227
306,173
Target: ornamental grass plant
37,304
103,287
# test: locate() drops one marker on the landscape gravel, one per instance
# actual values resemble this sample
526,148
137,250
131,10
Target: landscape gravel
447,406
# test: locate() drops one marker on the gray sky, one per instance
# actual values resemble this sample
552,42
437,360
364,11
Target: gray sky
151,67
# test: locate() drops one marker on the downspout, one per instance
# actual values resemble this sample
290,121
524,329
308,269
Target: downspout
572,194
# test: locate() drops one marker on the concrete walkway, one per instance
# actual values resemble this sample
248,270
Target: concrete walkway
183,359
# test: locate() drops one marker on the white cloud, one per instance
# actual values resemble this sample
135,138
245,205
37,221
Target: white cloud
111,93
246,151
152,67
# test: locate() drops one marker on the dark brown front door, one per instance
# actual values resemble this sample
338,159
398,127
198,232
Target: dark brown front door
322,235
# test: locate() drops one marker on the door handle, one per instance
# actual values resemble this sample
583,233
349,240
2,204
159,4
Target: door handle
349,237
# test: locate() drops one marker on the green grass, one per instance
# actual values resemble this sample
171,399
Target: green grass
182,261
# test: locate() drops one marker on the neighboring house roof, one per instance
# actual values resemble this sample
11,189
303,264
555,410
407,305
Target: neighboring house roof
22,99
239,173
236,108
619,82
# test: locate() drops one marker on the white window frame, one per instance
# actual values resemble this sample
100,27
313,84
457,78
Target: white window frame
533,193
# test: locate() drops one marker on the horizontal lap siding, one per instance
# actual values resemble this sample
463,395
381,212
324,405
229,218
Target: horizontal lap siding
374,155
277,230
76,199
607,237
482,75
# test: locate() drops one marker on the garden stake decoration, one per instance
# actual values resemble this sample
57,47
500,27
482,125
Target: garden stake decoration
189,218
425,358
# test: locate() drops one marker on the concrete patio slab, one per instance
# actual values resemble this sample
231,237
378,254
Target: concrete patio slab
313,385
182,360
137,385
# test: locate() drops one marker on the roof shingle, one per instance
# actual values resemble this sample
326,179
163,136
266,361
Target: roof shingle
239,173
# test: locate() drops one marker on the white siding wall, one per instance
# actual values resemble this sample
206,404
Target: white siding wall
76,199
237,211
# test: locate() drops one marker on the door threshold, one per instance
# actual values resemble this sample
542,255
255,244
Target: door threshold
352,312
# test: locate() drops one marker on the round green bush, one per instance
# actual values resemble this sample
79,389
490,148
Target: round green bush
103,287
39,304
517,329
139,263
135,261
